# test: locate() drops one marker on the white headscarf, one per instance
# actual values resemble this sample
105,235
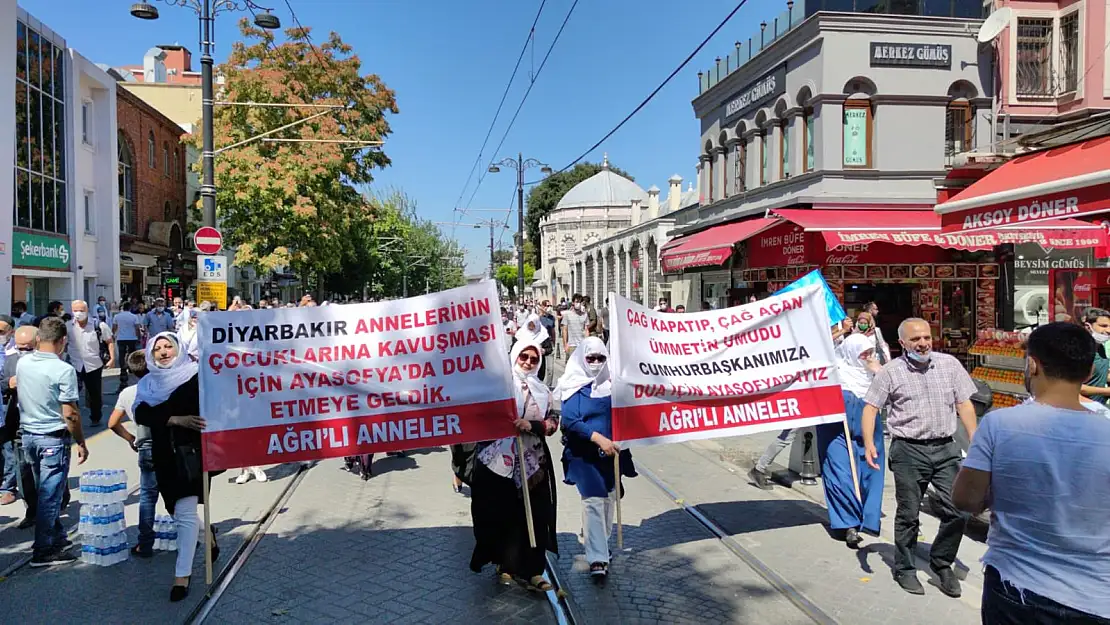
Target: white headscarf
532,331
854,376
157,385
576,375
540,393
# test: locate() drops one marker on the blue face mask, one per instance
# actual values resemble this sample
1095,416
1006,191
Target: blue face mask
920,359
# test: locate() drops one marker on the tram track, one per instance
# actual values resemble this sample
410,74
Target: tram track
776,581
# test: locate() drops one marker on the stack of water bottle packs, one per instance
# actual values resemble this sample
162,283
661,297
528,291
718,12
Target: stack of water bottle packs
165,533
102,526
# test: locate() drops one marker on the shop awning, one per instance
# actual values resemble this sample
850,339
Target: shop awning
134,260
923,227
1067,181
711,247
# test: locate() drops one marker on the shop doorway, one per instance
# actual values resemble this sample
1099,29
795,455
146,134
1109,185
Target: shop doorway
895,301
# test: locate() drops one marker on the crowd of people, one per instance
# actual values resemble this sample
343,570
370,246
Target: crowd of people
1038,467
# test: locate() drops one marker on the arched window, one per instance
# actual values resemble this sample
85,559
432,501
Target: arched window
784,150
126,186
959,119
858,123
150,158
740,158
176,166
708,159
165,159
167,215
808,129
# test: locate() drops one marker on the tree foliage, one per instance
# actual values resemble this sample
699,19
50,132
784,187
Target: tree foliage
507,276
543,198
296,204
395,247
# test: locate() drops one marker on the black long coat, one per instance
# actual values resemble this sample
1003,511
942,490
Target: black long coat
185,400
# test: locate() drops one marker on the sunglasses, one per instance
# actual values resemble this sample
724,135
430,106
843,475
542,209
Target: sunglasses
595,358
528,359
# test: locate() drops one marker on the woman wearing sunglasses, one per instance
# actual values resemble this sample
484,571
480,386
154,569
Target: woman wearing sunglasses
588,450
496,505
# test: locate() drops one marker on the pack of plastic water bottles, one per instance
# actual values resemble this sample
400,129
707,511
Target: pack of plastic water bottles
102,524
165,534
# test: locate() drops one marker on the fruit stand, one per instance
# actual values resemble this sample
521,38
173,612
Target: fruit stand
1000,362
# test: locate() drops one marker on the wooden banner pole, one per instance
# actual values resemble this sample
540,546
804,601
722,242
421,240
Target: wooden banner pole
617,494
207,533
852,459
524,488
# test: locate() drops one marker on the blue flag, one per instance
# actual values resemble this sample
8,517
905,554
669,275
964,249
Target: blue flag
836,311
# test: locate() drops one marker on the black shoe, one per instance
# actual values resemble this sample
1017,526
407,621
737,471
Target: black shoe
910,583
27,522
852,538
94,422
54,559
759,478
142,552
177,593
65,544
949,584
215,547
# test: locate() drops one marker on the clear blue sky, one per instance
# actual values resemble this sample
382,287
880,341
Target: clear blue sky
449,60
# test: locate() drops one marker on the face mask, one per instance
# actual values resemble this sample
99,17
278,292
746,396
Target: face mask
578,307
163,366
594,367
5,337
100,303
81,315
158,309
918,358
1099,337
863,327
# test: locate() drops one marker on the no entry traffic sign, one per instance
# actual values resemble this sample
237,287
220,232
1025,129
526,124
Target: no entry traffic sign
208,240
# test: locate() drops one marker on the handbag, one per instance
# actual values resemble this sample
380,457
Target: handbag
187,461
462,462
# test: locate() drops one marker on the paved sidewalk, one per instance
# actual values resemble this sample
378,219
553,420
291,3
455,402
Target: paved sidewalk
788,533
136,591
394,549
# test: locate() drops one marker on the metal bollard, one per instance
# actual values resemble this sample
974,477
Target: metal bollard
809,461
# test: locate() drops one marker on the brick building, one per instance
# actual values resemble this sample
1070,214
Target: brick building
152,201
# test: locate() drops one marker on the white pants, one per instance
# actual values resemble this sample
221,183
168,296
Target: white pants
597,526
188,529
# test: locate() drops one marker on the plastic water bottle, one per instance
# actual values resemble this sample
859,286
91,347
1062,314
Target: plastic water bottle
159,534
171,537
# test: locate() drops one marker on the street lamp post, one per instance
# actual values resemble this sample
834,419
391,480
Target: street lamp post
207,10
520,165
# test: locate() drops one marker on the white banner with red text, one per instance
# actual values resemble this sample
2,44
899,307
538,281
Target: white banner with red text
294,384
768,365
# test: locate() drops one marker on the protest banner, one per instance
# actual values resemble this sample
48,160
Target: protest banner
767,365
297,384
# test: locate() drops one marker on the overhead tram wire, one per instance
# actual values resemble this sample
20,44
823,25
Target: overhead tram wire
659,88
482,175
524,49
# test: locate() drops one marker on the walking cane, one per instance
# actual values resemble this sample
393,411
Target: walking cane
524,487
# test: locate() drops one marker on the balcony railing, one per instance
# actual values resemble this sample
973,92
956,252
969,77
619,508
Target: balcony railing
769,32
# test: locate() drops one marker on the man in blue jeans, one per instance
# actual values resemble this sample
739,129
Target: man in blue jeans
51,422
140,441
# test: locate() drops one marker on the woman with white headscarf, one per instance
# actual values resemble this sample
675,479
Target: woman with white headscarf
497,503
533,331
168,402
585,390
856,366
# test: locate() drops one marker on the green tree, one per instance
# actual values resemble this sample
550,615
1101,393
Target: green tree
296,203
543,198
502,257
507,276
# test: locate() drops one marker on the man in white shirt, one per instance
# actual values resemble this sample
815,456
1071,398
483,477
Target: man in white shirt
1040,467
125,327
85,339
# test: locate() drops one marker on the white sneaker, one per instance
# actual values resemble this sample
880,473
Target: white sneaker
244,476
259,474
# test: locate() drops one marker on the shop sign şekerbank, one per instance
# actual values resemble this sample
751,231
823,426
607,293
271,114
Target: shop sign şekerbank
758,93
39,252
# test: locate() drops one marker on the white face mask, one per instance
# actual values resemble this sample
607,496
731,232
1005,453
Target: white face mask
1099,337
594,367
81,315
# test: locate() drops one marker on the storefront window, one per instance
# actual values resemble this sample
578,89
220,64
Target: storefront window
1031,266
40,170
857,133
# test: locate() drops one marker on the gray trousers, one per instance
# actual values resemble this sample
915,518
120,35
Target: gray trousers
781,442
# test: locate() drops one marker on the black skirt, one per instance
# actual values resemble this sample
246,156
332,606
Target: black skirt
500,525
